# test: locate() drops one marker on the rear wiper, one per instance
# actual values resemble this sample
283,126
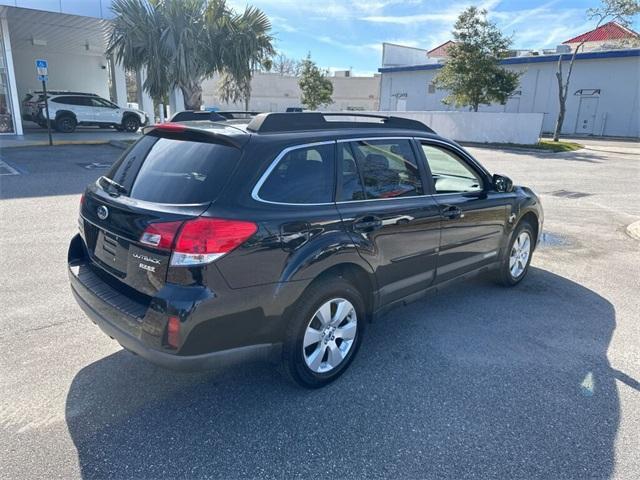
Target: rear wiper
116,186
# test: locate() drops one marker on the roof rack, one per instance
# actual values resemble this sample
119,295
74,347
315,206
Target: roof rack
288,122
236,114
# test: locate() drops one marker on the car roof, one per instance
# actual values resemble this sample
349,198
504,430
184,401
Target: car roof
241,130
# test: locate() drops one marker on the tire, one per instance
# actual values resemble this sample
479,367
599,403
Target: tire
514,265
66,124
130,123
311,366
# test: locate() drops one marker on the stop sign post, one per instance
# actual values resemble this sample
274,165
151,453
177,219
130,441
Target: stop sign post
42,68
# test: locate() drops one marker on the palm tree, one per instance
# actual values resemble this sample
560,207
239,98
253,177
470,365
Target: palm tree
181,42
251,49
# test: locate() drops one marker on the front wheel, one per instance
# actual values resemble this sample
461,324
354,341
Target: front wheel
131,123
65,124
515,264
324,333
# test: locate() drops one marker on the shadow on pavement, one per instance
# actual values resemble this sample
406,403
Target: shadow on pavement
479,381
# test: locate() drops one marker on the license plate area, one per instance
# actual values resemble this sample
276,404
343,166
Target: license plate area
112,251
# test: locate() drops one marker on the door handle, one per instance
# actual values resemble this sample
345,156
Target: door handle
451,212
367,224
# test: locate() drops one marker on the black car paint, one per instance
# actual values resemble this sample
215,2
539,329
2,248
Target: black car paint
239,304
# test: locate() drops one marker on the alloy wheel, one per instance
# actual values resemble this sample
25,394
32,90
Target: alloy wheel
330,335
520,251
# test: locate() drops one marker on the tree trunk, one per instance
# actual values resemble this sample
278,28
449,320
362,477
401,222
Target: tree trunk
192,96
475,107
563,90
246,103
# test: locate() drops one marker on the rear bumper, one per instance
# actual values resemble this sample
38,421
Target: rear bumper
210,340
264,352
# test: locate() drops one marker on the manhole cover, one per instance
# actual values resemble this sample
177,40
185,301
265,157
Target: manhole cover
569,194
549,239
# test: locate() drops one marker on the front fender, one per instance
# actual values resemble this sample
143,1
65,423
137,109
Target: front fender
527,203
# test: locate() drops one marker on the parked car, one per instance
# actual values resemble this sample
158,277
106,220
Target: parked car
67,111
31,100
282,237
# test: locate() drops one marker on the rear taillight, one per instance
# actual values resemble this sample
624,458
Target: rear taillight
160,235
198,241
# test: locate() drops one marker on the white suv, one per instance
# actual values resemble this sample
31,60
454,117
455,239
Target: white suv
66,111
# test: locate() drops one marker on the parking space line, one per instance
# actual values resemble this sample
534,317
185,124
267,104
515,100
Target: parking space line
6,169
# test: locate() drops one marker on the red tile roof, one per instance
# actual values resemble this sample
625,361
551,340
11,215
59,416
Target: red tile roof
441,50
608,31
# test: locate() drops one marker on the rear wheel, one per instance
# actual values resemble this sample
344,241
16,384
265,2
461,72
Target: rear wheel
131,123
324,333
515,264
66,124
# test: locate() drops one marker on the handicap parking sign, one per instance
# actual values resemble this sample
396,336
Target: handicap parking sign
42,67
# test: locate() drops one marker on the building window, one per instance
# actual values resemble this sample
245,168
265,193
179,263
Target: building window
587,92
431,87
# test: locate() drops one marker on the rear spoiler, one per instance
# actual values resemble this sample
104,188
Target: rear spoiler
172,128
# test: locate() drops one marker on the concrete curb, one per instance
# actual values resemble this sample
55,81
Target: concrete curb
56,143
537,151
633,230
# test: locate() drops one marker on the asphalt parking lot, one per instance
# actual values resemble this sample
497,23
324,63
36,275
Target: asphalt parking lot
538,381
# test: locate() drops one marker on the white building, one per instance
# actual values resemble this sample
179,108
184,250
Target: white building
272,92
604,97
72,36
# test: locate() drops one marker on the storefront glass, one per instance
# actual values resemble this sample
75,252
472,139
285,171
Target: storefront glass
6,117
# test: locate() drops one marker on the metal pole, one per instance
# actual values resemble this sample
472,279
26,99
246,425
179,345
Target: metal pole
46,108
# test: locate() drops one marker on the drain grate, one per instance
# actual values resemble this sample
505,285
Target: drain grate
569,194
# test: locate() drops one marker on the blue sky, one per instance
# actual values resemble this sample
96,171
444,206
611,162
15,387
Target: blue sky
342,34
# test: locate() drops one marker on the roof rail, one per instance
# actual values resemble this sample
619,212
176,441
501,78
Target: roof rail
288,122
236,114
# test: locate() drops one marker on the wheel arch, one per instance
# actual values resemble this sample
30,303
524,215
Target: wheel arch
355,274
532,219
66,113
125,115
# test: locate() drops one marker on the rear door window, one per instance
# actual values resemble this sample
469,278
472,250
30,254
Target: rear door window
175,171
388,168
349,178
303,176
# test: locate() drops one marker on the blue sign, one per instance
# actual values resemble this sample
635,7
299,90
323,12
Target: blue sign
43,78
42,67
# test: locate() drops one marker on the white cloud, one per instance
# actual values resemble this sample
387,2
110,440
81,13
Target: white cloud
448,15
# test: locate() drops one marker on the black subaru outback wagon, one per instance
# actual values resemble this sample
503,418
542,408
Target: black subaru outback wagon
281,237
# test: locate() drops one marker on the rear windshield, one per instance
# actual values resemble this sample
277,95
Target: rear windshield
174,171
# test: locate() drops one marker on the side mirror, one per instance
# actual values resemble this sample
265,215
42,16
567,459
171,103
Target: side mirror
502,183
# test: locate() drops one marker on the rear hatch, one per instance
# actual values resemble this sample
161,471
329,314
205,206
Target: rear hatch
164,177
